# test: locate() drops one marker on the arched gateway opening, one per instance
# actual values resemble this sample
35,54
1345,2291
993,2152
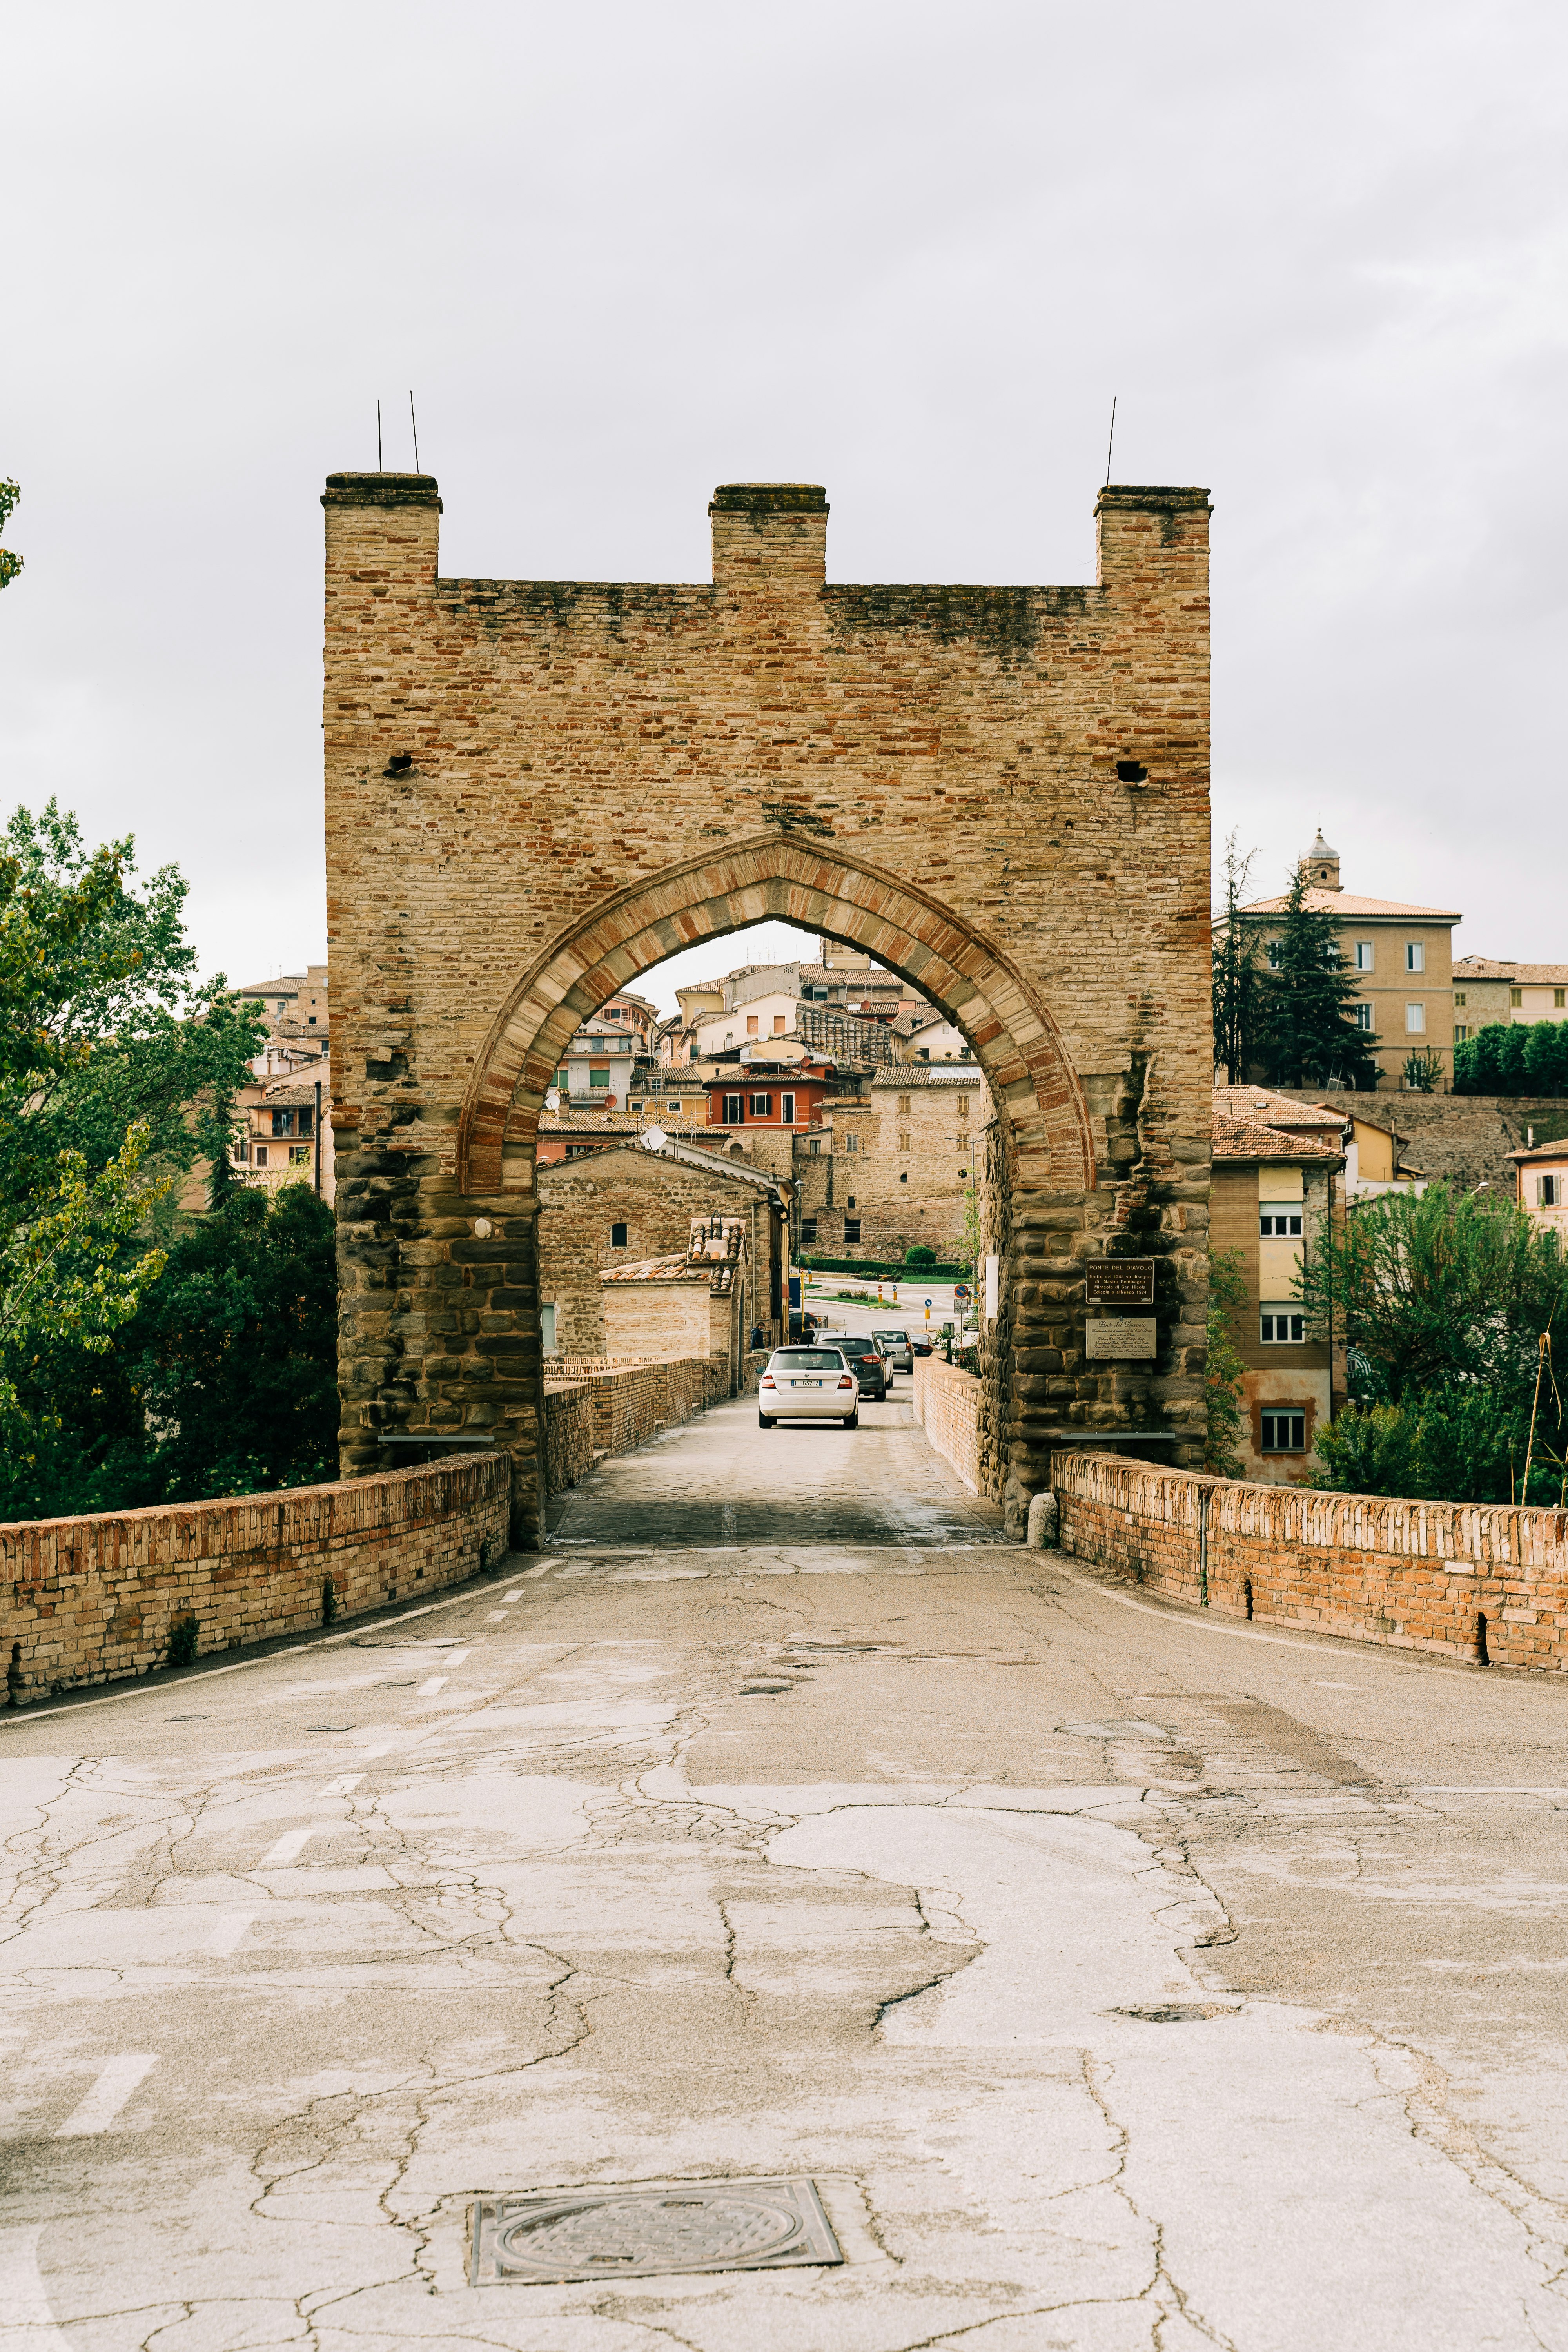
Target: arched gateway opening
538,791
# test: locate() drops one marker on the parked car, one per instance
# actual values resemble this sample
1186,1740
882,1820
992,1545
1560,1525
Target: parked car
922,1343
864,1357
901,1352
808,1384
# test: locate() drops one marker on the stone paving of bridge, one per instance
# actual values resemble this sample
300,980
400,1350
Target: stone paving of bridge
1123,1977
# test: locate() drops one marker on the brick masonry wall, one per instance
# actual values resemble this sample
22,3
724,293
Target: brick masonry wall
1403,1575
613,1410
94,1600
537,790
947,1406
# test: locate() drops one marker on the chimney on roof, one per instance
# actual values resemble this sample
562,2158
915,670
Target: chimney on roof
1322,864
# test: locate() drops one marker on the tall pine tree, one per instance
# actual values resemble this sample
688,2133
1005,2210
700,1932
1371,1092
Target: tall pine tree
1308,1031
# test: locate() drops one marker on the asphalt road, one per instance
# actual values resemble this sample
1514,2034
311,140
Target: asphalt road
1123,1977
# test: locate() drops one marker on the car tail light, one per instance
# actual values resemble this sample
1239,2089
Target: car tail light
767,1382
846,1382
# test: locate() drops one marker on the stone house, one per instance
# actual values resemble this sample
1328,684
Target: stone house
691,1302
893,1165
1487,989
1402,958
623,1206
294,1008
282,1133
1274,1193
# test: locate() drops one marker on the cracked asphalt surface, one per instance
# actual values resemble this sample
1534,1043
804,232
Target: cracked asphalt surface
1123,1977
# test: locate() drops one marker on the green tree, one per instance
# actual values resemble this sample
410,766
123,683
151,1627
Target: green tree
1228,1302
1443,1301
1237,977
223,1382
1309,1033
1423,1071
919,1258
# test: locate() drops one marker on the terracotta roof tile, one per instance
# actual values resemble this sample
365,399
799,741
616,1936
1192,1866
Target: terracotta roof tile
1345,902
1244,1138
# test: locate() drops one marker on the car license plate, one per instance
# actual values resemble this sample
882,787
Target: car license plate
808,1384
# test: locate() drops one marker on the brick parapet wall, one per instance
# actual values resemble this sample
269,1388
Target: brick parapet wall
609,1408
1403,1575
947,1406
1464,1139
95,1600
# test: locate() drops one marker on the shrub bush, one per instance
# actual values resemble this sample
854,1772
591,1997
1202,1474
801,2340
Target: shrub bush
182,1637
919,1258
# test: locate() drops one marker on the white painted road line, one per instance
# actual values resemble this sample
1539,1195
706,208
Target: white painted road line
430,1690
117,2078
230,1933
496,1617
344,1785
509,1597
291,1843
29,2326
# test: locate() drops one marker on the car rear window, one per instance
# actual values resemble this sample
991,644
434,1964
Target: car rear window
892,1335
807,1360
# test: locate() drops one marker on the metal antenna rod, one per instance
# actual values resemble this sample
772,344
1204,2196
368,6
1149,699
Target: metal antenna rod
378,465
415,422
1111,443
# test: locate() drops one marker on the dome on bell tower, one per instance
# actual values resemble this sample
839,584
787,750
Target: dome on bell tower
1322,866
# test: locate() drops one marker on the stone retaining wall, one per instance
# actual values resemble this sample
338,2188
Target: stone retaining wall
1405,1575
947,1406
94,1600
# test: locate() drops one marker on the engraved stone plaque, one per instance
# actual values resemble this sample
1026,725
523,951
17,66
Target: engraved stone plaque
1119,1282
1111,1336
650,2230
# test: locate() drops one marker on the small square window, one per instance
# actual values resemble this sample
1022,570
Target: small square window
762,1105
903,1175
1283,1432
851,1143
1279,1224
1282,1327
618,1236
1414,955
599,1078
1459,996
851,1229
808,1229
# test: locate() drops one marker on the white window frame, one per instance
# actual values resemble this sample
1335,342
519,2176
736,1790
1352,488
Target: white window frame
1416,1021
1280,1220
1414,955
1362,1016
761,1107
1366,955
1272,1315
733,1114
787,1109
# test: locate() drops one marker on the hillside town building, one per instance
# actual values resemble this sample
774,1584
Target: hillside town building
1488,988
1541,1177
1401,956
1275,1165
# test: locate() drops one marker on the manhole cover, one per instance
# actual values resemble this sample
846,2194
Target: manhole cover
764,1690
670,2225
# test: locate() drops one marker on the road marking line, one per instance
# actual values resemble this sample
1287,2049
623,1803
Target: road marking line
291,1843
511,1597
30,2325
230,1933
344,1785
116,2081
427,1690
496,1617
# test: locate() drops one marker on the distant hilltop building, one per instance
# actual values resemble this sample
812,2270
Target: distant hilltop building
1401,956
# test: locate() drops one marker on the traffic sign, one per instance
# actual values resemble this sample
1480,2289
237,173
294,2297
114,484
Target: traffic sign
960,1290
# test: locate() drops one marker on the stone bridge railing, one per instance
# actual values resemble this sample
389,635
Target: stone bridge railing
1481,1581
98,1600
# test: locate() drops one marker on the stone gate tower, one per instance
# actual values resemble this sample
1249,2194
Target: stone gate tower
536,789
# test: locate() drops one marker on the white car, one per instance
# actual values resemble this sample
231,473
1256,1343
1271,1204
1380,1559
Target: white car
808,1384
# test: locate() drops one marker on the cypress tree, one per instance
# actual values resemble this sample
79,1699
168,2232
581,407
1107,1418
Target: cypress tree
1310,1036
1237,981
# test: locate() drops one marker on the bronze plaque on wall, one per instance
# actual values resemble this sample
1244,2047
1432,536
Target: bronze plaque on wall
1119,1282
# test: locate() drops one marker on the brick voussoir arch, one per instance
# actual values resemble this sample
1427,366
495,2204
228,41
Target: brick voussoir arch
777,877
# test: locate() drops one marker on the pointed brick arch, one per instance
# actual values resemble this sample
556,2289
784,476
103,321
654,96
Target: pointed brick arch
780,877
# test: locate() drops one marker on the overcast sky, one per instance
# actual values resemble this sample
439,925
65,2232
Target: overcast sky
622,253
